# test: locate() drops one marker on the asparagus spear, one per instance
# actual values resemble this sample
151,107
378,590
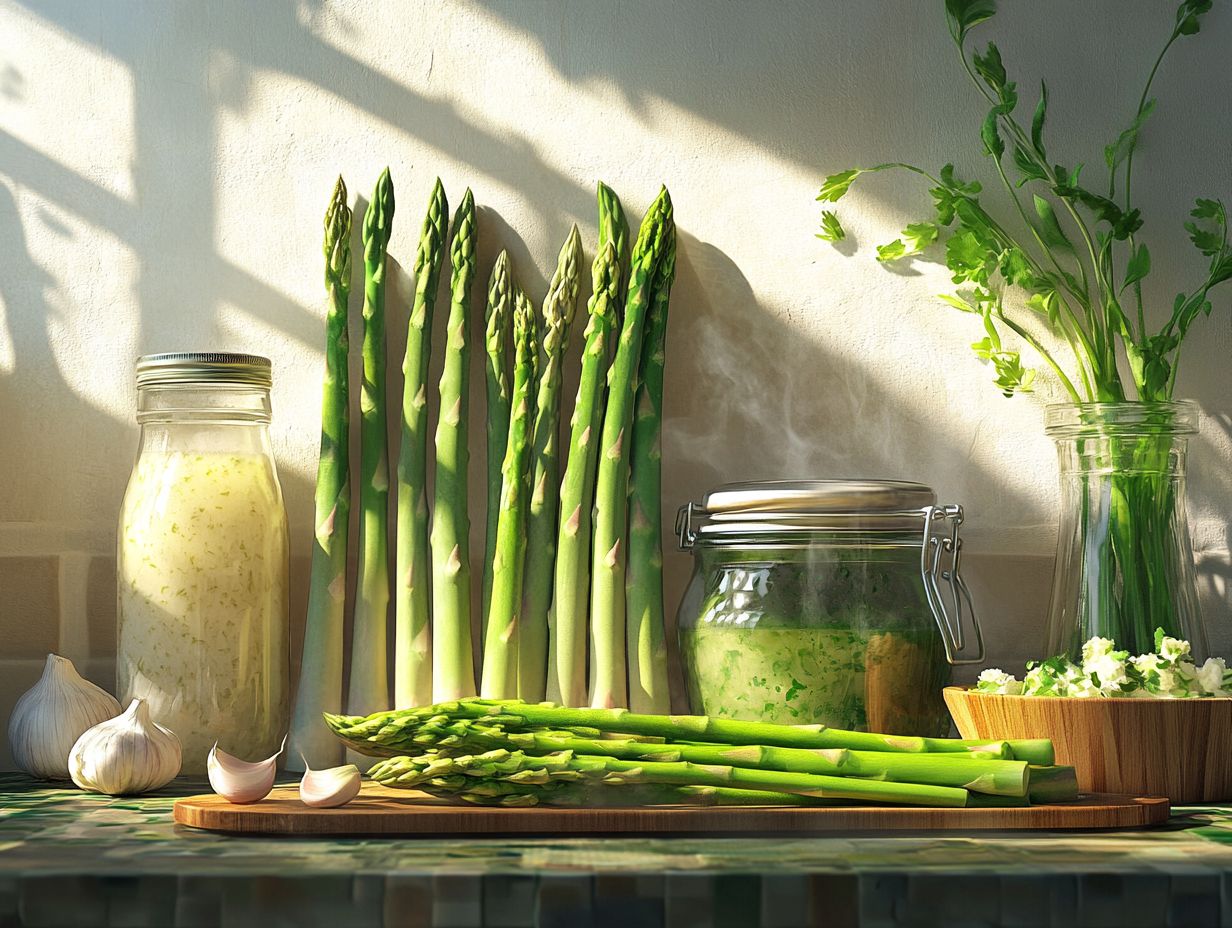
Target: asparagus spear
967,771
453,669
500,652
396,727
320,677
412,611
607,600
646,633
614,228
501,793
497,332
369,685
517,767
567,652
559,307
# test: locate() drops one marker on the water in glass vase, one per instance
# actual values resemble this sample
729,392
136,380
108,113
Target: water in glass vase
1124,560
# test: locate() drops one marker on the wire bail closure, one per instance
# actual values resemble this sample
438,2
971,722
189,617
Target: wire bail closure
941,563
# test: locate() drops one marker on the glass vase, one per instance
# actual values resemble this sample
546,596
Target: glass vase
1124,563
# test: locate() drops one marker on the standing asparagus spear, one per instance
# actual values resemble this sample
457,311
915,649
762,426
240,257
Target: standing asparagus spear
500,651
573,542
453,667
320,677
559,307
567,670
646,637
412,610
614,228
369,689
607,600
498,330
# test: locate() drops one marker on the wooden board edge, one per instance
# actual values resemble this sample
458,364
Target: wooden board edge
1099,812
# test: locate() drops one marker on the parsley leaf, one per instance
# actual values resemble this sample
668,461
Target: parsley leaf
1037,121
834,187
1138,267
965,15
891,250
831,229
1050,229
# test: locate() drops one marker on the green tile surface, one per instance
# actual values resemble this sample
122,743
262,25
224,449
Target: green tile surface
73,858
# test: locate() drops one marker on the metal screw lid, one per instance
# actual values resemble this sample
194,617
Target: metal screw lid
204,367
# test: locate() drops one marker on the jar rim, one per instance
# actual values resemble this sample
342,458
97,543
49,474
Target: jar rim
204,367
1089,420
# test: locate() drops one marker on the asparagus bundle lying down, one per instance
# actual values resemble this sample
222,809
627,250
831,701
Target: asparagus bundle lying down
507,752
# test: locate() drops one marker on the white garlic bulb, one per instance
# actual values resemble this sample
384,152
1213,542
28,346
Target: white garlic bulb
328,789
52,715
125,755
238,780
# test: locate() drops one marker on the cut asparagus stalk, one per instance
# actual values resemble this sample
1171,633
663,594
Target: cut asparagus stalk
645,630
516,767
1054,784
320,676
559,307
567,652
369,681
498,330
514,715
453,668
412,608
608,687
1035,751
500,647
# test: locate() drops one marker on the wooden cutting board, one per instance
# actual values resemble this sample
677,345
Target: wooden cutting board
381,811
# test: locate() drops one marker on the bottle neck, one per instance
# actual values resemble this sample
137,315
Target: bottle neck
203,404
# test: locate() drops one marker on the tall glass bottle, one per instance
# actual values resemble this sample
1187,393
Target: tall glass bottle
202,558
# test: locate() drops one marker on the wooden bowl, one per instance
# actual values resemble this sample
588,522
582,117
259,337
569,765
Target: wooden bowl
1179,748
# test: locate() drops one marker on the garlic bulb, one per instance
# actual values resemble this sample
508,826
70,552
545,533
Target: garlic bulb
52,715
126,755
328,789
238,780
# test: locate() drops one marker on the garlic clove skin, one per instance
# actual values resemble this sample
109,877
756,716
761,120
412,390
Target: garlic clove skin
328,789
126,755
50,717
239,781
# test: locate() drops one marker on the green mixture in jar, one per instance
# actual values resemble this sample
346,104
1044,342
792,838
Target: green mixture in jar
887,681
844,641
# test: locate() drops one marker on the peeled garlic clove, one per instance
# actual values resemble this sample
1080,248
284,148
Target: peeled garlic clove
52,715
238,780
328,789
126,755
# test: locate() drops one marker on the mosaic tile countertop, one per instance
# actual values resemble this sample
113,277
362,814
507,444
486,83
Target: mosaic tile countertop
70,858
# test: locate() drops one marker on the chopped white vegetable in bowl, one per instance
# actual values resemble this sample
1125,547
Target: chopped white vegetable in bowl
1168,673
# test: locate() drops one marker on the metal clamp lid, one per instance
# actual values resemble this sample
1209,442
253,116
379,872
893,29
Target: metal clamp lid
949,598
